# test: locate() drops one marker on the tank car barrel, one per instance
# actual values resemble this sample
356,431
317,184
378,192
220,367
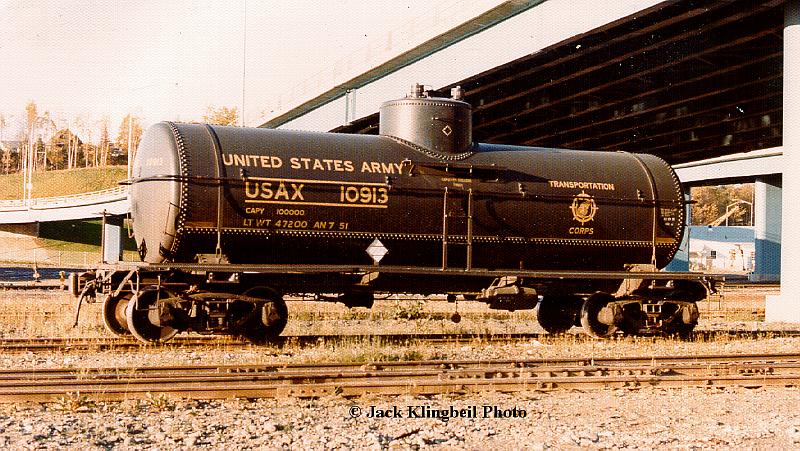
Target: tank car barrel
434,210
274,196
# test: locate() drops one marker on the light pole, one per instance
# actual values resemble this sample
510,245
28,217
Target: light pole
30,161
27,168
244,57
130,132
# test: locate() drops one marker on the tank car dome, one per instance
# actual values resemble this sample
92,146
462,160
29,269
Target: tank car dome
155,192
435,124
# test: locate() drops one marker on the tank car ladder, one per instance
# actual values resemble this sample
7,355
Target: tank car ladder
447,215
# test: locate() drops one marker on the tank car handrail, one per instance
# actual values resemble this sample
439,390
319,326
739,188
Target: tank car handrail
365,269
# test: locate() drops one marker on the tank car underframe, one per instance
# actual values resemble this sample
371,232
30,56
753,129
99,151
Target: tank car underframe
155,301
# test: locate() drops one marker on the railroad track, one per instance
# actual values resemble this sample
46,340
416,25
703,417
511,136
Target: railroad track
125,344
122,344
397,378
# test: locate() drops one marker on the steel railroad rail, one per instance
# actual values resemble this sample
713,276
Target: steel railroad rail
200,341
399,378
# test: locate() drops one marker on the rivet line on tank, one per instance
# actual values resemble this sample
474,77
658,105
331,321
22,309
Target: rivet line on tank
403,102
432,153
183,169
410,237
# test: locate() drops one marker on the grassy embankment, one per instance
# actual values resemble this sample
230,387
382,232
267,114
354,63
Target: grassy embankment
61,183
71,236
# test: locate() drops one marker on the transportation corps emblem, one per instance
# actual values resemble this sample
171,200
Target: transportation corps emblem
583,208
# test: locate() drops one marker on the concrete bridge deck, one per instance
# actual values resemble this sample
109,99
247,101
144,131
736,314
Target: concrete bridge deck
113,201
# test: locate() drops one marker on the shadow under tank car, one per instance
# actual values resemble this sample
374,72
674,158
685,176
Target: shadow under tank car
229,220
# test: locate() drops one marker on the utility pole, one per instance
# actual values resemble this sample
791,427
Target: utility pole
130,132
30,161
244,58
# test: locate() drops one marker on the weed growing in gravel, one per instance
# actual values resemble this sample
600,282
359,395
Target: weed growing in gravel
73,402
409,310
366,349
159,402
46,314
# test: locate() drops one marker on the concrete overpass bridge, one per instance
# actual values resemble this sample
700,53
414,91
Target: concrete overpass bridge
35,231
110,202
707,86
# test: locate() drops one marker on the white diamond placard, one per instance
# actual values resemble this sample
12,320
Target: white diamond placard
377,250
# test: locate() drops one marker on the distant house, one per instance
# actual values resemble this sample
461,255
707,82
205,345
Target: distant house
14,146
9,155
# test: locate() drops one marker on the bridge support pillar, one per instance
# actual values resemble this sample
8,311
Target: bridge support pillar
767,224
112,239
786,306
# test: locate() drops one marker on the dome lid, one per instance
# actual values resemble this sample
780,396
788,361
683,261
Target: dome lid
436,124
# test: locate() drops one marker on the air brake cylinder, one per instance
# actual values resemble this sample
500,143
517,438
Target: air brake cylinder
435,124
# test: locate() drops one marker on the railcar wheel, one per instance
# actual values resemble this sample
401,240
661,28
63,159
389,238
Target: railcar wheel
555,314
114,317
589,315
138,317
268,319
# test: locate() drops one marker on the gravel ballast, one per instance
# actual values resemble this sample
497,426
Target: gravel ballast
647,418
641,418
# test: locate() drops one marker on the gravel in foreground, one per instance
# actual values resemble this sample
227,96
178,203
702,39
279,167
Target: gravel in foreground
647,418
643,418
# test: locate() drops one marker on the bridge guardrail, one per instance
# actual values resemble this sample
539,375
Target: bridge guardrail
62,201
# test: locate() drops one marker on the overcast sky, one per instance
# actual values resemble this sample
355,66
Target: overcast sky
169,60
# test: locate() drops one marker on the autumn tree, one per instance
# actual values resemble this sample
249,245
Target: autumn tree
70,142
105,144
39,129
39,149
132,124
713,202
221,116
30,115
76,150
88,148
89,151
63,149
5,158
45,132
